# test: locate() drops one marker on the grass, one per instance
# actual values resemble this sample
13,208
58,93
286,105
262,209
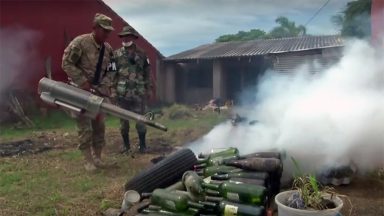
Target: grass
54,182
56,120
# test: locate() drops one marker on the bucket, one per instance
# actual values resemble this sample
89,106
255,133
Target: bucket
284,210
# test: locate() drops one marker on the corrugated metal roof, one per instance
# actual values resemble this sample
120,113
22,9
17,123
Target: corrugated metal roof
259,47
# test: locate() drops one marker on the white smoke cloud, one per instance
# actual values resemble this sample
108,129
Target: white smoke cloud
18,57
323,120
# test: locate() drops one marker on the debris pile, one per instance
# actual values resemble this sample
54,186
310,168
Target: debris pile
22,147
222,182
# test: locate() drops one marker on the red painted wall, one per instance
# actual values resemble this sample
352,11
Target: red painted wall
52,21
377,15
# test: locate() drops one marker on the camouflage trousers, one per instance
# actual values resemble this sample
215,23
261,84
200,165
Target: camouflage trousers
134,105
91,132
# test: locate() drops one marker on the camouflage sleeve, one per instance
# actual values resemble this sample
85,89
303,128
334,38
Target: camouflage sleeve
71,57
147,76
107,81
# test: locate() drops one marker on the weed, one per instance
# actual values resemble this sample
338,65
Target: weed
84,185
71,155
105,204
310,191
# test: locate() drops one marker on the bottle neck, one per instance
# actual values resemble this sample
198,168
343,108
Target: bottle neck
199,166
195,205
221,177
145,195
210,186
213,199
212,193
202,156
232,162
202,160
200,172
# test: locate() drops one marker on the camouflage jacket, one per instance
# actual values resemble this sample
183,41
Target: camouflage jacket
133,73
80,59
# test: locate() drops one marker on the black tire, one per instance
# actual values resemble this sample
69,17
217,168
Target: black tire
164,173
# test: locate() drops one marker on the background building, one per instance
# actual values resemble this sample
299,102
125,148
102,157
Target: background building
223,70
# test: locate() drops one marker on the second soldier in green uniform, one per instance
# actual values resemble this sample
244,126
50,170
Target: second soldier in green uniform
132,84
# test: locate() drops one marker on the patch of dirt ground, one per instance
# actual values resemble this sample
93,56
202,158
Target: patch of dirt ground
366,195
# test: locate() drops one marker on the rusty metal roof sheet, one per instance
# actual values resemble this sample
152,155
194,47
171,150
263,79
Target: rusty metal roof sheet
258,47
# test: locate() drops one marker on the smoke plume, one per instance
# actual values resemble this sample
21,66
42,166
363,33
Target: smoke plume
329,119
18,57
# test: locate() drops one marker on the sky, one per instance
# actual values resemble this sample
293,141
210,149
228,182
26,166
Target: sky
173,26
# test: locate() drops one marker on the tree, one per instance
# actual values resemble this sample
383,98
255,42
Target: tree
286,28
354,21
242,36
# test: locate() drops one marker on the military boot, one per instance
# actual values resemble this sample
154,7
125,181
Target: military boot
142,146
89,163
126,147
99,163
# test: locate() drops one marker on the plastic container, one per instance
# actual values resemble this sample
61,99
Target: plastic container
284,210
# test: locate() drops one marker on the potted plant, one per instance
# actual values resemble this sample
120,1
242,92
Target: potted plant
308,197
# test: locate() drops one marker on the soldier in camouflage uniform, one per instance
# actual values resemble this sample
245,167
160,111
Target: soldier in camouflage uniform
86,61
132,84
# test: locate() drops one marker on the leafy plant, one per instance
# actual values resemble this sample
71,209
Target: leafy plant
310,191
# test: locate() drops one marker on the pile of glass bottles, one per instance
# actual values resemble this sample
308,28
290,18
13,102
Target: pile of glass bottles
222,183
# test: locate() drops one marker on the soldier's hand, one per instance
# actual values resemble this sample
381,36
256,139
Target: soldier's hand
86,86
100,117
148,95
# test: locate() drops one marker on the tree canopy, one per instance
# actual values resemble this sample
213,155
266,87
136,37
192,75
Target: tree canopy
286,28
355,20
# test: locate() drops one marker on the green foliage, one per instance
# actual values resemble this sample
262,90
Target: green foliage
309,189
8,179
243,36
285,28
297,167
105,204
354,21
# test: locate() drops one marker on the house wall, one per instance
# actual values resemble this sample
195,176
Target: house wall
313,61
194,82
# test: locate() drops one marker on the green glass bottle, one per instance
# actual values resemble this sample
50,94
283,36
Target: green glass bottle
221,153
276,155
244,193
213,180
200,166
250,175
173,201
257,164
208,171
213,199
216,160
248,181
161,212
227,208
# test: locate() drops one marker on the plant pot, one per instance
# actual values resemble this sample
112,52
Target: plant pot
284,210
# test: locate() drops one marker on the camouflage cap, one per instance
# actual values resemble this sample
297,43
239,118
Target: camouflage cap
128,30
103,21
